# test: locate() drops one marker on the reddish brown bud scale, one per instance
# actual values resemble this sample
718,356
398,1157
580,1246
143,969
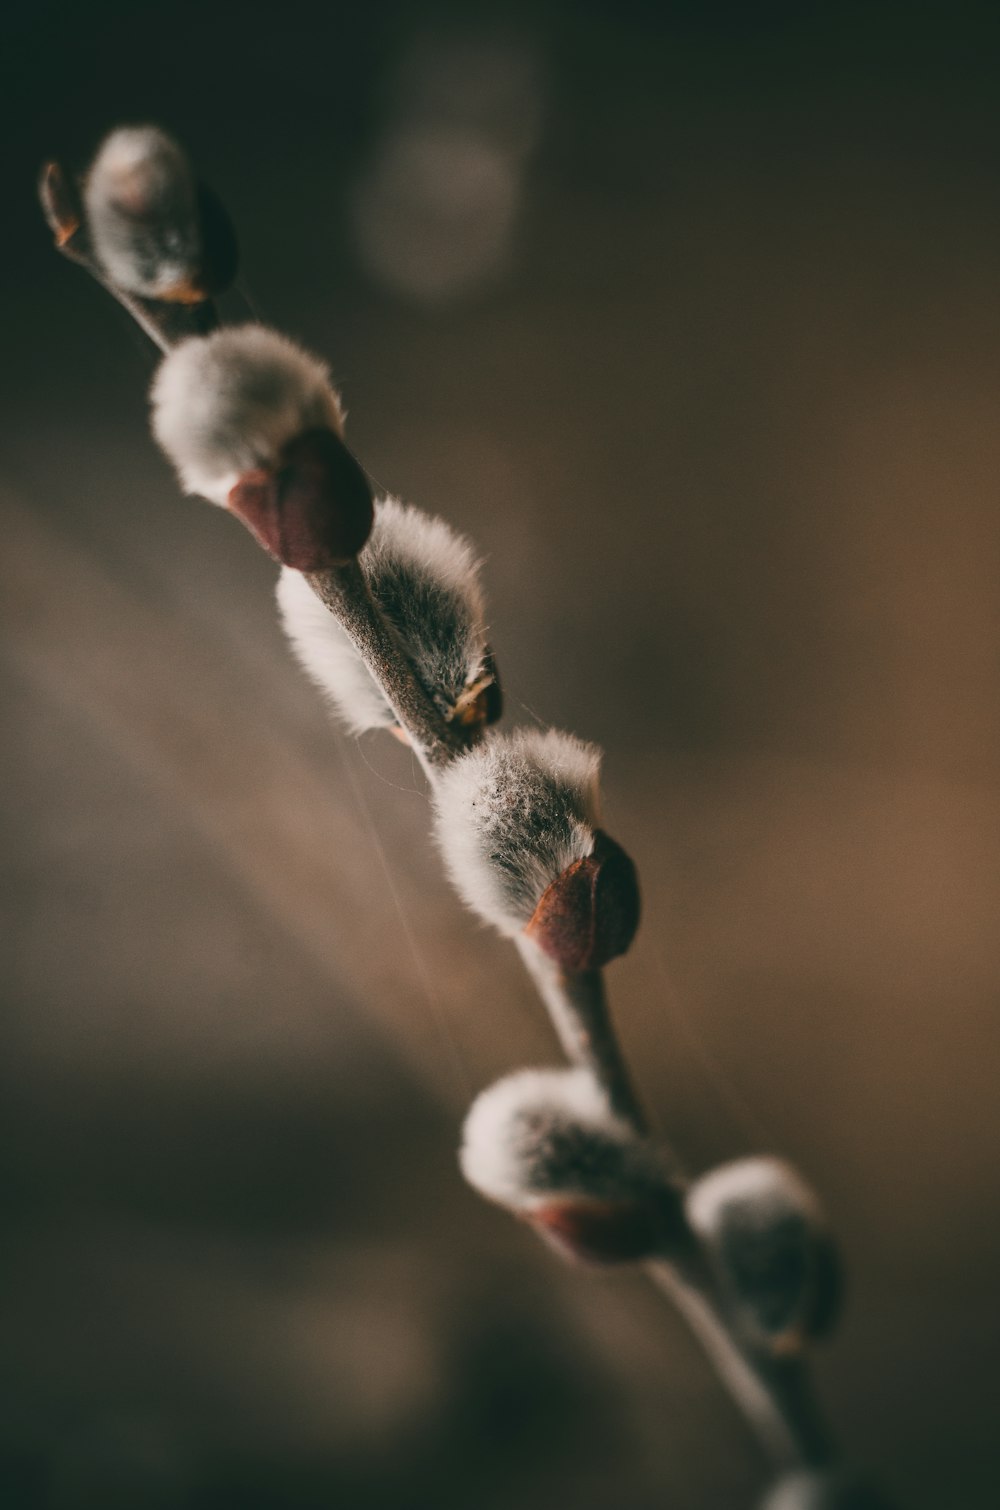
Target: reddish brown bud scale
599,1232
590,913
314,510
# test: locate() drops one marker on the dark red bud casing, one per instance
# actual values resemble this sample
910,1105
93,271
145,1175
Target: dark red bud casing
599,1232
315,510
590,913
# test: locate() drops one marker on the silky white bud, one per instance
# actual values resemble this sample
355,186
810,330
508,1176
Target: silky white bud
516,821
142,212
511,815
770,1244
227,403
546,1145
540,1133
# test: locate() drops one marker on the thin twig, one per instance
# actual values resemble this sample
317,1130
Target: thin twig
774,1396
578,1008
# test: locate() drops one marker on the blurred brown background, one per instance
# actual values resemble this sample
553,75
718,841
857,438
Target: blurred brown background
689,315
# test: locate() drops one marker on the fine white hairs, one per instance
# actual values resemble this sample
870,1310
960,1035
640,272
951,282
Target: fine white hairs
226,403
141,211
424,578
511,815
540,1134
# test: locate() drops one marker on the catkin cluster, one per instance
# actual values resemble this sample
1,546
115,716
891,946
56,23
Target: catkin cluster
383,608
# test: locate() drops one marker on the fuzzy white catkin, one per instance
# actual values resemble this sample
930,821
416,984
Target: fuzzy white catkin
328,657
424,578
769,1186
544,1133
771,1247
226,403
511,814
141,211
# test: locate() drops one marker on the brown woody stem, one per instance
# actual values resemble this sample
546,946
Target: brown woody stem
344,591
578,1008
774,1395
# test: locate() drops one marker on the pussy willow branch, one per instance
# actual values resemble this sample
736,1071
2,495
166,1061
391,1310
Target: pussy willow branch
774,1395
576,1002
